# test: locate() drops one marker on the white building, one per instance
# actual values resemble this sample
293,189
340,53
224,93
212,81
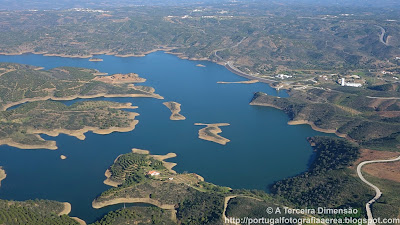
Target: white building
283,76
386,72
153,173
344,83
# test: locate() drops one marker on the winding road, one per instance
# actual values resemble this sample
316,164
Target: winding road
377,190
234,46
382,35
229,65
227,199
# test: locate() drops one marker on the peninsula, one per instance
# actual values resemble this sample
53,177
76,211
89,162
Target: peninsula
148,179
20,127
343,111
187,198
118,172
63,83
211,131
175,109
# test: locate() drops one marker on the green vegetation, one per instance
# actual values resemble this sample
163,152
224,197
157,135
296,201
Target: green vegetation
196,201
201,208
388,206
131,168
37,212
21,83
289,37
372,122
241,207
21,125
140,216
332,154
261,39
329,182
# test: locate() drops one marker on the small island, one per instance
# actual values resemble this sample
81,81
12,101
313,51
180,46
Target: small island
95,60
63,157
175,109
200,65
3,174
121,78
239,82
211,131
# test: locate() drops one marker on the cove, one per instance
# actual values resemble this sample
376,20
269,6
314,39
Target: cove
263,148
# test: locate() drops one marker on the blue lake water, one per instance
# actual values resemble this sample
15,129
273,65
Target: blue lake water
263,148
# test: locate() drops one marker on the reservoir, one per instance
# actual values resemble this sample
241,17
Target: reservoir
263,147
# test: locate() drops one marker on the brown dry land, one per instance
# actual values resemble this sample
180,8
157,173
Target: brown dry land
80,221
239,82
51,145
3,175
388,171
121,78
314,127
211,131
190,180
175,109
168,165
66,210
140,151
98,205
149,95
110,182
226,201
108,174
95,60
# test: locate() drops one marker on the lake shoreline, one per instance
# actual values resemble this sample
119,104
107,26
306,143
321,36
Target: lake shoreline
168,165
238,82
3,174
98,205
166,50
173,133
80,134
150,95
214,130
306,122
66,210
175,109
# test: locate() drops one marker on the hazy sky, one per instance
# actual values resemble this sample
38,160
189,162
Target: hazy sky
62,4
